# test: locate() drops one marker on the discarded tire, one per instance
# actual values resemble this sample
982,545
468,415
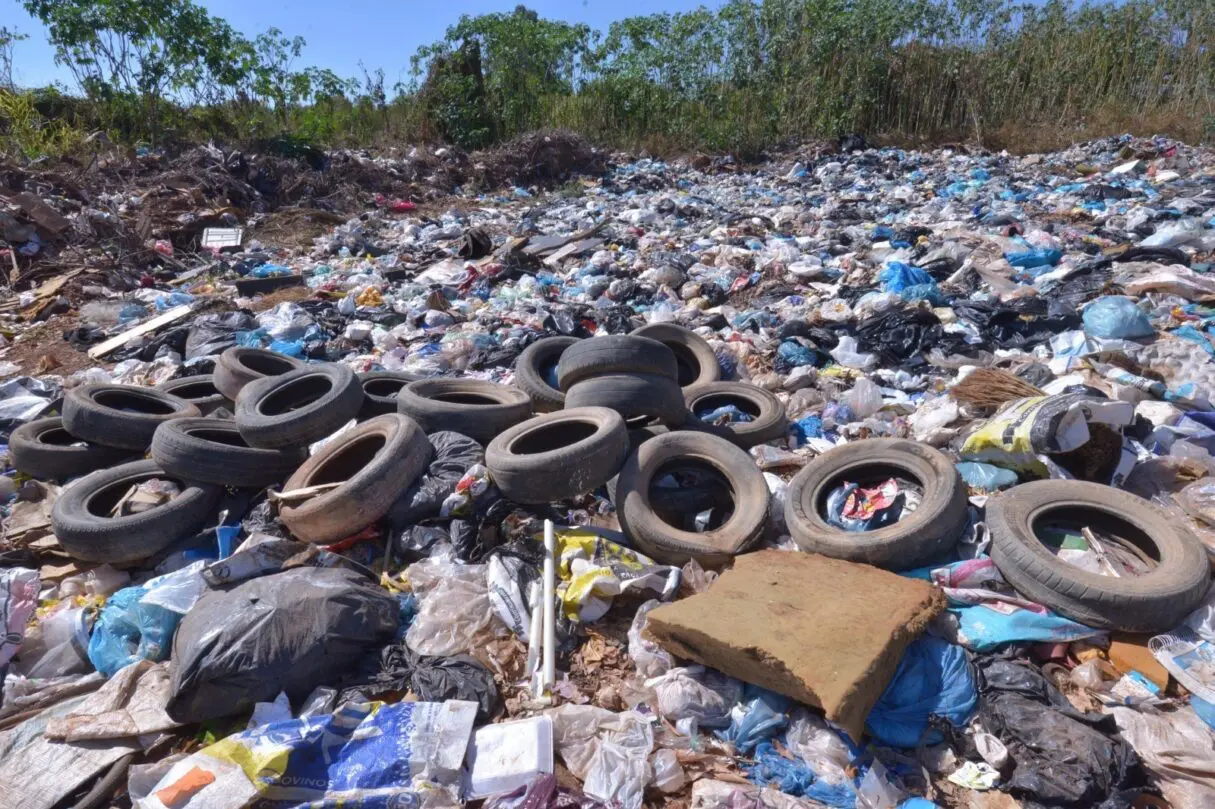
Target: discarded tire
82,523
558,455
374,464
380,391
918,538
695,362
654,535
121,416
43,449
614,354
472,407
533,368
637,397
299,407
768,422
199,391
1156,601
237,367
213,451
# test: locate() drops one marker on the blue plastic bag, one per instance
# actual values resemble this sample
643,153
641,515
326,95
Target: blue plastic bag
762,714
985,476
726,414
791,354
1116,318
794,777
933,678
805,428
128,631
1029,259
897,276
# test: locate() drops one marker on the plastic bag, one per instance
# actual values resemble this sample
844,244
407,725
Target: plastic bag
454,611
761,716
1116,317
1177,747
897,276
985,477
1061,757
824,749
214,333
650,659
864,399
129,630
18,599
1198,500
308,624
608,751
455,454
286,323
933,679
847,353
694,692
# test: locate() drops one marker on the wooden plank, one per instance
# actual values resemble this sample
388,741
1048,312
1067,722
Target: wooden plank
118,341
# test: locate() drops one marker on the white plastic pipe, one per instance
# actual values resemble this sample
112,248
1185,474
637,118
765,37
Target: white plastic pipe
535,638
550,597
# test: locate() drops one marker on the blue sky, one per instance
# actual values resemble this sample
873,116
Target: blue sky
341,34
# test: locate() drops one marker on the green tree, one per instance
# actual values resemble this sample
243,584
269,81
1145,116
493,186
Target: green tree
515,59
144,51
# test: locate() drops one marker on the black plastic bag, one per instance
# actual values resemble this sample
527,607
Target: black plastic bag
286,632
1061,757
435,679
455,454
901,337
216,333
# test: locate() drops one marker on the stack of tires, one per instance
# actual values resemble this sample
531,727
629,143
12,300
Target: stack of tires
618,414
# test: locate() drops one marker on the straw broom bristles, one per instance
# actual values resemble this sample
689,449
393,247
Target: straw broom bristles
991,387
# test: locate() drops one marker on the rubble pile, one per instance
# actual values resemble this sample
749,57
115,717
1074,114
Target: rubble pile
860,479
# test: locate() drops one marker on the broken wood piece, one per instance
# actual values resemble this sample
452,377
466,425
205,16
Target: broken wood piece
118,341
43,215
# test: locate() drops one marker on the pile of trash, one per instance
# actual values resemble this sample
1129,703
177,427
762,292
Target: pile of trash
860,479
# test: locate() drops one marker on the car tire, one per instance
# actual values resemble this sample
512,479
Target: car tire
237,367
532,367
654,536
638,398
298,407
558,455
209,450
922,536
1156,601
696,363
121,416
43,449
768,413
81,522
614,354
472,407
374,464
199,391
380,391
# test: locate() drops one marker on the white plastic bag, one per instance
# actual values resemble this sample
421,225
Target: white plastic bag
650,659
696,692
812,739
847,353
609,751
864,399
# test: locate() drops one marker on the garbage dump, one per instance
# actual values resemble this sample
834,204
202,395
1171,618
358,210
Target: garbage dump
864,479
